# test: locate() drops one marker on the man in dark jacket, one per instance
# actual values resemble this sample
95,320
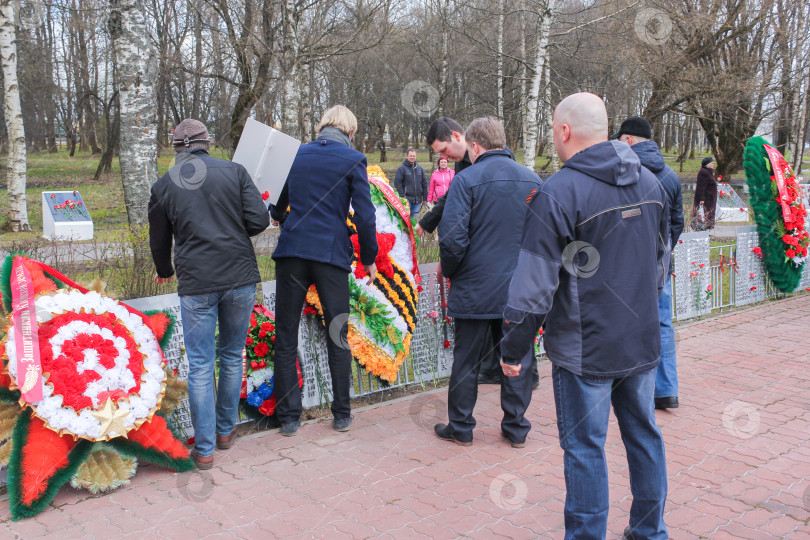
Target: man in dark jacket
446,137
637,133
479,241
211,208
592,263
410,182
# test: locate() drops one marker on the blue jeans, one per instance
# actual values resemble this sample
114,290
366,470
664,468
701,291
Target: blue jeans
214,413
583,410
666,378
416,207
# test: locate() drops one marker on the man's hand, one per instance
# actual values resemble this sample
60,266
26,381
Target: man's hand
509,370
372,272
161,280
418,230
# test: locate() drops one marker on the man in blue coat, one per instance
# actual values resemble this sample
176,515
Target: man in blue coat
592,263
479,242
637,133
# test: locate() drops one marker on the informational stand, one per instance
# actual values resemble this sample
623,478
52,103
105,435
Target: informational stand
65,216
268,155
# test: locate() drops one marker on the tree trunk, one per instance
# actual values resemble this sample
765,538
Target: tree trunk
18,210
291,63
501,16
533,101
135,64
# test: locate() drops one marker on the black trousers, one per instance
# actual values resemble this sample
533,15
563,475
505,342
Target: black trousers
293,278
472,341
491,367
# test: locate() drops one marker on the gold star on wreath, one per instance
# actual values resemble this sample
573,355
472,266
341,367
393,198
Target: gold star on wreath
112,419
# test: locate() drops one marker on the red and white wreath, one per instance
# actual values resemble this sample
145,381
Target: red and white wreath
102,366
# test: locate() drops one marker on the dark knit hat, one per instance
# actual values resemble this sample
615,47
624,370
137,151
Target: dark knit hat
706,161
634,125
190,134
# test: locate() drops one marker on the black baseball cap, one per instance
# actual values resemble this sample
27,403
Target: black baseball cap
635,125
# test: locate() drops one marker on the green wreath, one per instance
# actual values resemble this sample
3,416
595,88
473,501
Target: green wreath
784,274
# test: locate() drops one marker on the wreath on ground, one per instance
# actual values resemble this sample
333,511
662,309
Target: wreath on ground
83,388
775,197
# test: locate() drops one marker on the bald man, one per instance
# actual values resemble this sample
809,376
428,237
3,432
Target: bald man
592,262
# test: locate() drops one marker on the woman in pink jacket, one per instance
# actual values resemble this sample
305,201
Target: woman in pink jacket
440,181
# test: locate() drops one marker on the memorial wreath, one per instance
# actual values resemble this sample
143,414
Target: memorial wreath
83,388
780,213
382,315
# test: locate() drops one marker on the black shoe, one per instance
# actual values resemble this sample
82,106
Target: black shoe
628,534
489,379
342,424
443,432
515,444
289,429
669,402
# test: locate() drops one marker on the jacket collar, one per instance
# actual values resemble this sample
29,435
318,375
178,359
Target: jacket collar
331,133
490,153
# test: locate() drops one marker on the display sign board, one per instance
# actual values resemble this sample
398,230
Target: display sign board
268,155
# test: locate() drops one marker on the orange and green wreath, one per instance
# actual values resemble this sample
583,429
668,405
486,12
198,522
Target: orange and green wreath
780,214
83,383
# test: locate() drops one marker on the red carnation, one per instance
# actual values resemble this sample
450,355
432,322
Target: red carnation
701,265
709,288
419,288
265,195
262,333
272,339
254,364
446,344
249,341
267,326
790,253
753,288
752,274
261,350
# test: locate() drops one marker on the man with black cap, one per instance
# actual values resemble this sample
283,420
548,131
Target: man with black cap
637,133
211,208
706,190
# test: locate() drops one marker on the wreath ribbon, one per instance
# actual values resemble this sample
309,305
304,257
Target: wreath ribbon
396,203
776,160
26,336
731,262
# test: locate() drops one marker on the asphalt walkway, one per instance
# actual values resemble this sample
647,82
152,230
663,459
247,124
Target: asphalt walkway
737,452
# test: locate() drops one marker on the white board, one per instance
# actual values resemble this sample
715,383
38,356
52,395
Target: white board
268,155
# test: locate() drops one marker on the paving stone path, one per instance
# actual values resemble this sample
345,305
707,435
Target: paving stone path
737,453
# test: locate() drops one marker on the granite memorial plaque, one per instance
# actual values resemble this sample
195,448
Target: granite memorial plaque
751,280
730,207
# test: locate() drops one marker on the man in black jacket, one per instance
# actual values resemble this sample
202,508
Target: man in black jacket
410,182
479,242
592,263
211,208
637,133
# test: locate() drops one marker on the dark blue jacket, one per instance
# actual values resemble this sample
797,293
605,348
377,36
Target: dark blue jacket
325,178
592,263
410,181
650,156
479,234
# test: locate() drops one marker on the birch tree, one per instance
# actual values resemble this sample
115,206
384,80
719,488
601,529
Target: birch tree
18,209
135,64
532,127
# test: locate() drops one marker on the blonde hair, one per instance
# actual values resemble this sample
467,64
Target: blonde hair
340,117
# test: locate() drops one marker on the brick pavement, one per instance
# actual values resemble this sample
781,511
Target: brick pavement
738,458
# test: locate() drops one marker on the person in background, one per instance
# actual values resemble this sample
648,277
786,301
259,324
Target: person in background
706,191
440,180
211,220
636,132
592,265
479,242
327,176
410,182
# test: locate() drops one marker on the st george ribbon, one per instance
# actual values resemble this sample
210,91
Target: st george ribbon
394,200
26,336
